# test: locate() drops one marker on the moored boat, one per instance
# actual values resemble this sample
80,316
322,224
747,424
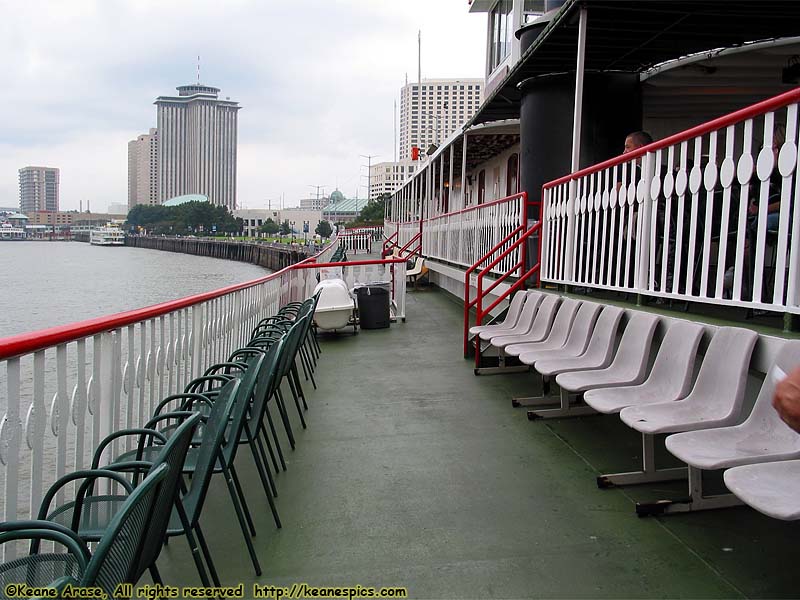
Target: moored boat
109,235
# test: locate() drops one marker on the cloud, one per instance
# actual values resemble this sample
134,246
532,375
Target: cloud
316,80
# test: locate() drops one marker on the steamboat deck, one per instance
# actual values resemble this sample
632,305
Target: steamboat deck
415,473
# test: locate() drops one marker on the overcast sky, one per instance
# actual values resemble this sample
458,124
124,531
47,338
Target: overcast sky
316,80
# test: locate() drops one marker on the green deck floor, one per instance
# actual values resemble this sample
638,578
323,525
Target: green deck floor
413,472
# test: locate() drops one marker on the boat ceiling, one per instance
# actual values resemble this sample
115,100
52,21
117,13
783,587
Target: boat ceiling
634,36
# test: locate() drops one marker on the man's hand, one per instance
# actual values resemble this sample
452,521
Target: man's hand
787,399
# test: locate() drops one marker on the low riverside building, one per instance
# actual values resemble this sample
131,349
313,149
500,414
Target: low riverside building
300,220
341,209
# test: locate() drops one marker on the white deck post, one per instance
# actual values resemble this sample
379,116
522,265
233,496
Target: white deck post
576,144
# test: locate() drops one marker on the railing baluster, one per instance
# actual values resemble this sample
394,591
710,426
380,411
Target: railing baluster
792,299
710,183
727,176
79,405
695,181
786,168
653,198
764,165
61,417
668,189
34,430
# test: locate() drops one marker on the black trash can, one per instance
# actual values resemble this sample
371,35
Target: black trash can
373,306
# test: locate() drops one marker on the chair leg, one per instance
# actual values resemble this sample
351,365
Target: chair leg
274,437
190,539
310,371
242,500
316,342
285,417
207,555
269,486
298,387
294,385
240,516
260,458
262,463
155,575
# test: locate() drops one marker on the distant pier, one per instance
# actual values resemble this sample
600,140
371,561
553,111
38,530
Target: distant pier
274,257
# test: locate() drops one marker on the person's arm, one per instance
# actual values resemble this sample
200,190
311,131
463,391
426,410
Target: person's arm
787,399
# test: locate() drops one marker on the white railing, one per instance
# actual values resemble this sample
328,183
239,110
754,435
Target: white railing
389,229
376,231
356,242
463,236
706,215
406,232
63,389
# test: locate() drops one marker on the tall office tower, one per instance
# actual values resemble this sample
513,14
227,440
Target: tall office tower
197,145
386,177
443,106
38,189
143,169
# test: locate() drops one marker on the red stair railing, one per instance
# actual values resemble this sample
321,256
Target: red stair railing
521,235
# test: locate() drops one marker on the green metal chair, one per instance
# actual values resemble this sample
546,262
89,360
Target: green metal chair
115,560
203,460
185,516
254,431
225,463
89,514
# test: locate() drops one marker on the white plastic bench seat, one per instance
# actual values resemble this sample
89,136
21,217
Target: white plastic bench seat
598,353
558,334
512,315
771,488
540,328
763,437
578,338
629,366
670,378
717,396
524,322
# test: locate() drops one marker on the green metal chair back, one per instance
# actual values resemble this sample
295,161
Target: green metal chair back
213,435
115,560
244,400
173,454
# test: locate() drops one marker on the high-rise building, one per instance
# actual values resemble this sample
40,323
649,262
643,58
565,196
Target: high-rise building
38,189
314,203
386,177
430,117
143,169
197,134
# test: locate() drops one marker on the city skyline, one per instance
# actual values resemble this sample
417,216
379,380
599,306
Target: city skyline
312,108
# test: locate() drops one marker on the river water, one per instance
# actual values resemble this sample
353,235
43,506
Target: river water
54,283
45,284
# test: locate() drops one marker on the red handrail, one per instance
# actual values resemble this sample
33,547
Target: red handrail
748,112
480,206
350,263
417,236
518,266
479,312
388,241
25,343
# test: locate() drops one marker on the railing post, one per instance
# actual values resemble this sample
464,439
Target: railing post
197,340
644,225
12,430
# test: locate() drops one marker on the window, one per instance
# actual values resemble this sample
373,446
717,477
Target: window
531,9
481,186
512,175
